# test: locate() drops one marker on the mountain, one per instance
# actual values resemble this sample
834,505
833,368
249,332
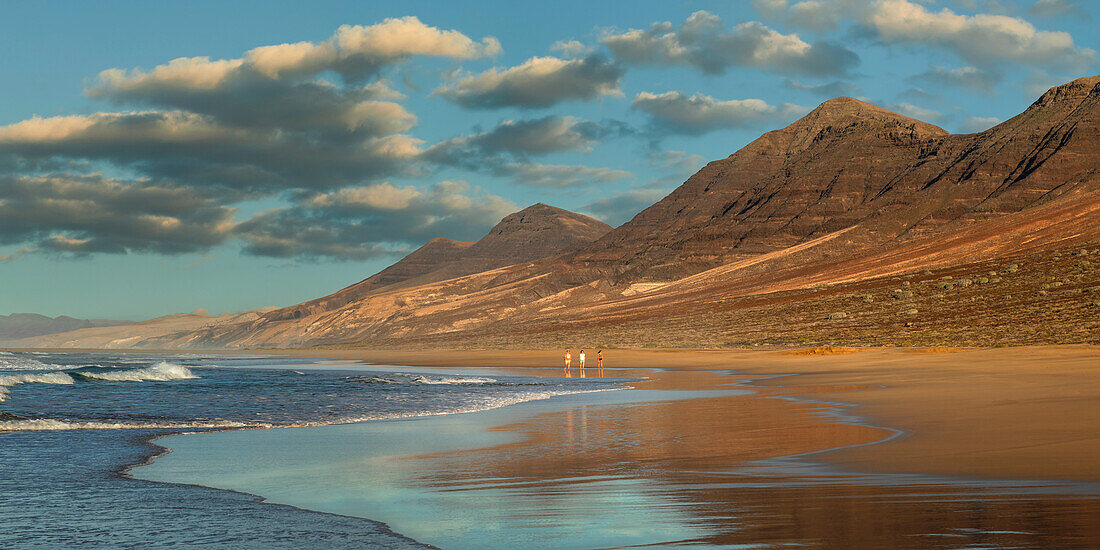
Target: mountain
853,224
535,232
23,325
130,334
849,164
820,174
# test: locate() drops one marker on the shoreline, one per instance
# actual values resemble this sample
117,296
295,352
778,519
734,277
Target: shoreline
961,413
814,430
280,474
595,449
156,451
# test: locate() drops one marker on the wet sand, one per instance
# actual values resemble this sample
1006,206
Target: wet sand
928,450
1002,413
900,448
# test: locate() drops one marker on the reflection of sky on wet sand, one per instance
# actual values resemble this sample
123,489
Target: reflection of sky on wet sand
577,472
367,470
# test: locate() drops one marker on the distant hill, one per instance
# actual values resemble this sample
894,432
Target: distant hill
24,325
130,334
535,232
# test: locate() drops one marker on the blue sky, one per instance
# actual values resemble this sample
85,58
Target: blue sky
163,157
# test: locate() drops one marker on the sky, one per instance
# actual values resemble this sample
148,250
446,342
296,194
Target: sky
158,158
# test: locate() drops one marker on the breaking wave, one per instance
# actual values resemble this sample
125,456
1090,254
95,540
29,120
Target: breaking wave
465,380
11,362
12,423
160,372
396,378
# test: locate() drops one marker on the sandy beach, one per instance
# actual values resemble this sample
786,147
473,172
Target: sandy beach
996,413
831,447
908,435
1000,413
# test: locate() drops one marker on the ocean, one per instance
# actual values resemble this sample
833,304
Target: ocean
72,424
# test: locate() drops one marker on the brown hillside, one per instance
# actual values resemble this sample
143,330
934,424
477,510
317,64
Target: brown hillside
851,196
535,232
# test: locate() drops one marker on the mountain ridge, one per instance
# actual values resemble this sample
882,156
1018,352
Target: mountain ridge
851,196
535,232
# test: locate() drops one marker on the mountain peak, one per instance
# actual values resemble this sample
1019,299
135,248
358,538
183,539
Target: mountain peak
541,208
1070,93
543,217
848,110
845,119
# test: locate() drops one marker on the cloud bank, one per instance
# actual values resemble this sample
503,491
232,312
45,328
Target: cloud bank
703,42
539,82
380,220
86,214
675,112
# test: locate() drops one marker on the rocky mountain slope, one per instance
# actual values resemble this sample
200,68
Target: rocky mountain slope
848,164
535,232
853,224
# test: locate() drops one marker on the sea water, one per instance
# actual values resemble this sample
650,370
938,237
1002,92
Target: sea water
71,423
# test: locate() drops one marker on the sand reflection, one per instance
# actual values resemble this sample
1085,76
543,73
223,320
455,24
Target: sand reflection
701,459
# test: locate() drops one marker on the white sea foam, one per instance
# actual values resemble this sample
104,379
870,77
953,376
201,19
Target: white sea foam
494,403
160,372
22,362
51,424
9,380
425,379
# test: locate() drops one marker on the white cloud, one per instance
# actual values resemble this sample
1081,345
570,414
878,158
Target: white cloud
380,220
697,114
86,214
558,175
963,77
199,149
703,42
816,15
405,36
981,39
381,196
518,138
536,83
572,48
915,111
354,51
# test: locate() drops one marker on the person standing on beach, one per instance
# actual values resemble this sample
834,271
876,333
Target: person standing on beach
568,360
599,360
581,357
